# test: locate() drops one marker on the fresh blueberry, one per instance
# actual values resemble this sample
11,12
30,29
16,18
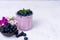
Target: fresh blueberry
10,31
9,25
24,34
16,32
3,31
14,29
19,13
25,38
19,35
30,11
6,30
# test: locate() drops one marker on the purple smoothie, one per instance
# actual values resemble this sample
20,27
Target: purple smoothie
24,23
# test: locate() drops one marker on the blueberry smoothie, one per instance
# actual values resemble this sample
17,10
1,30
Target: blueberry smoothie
24,19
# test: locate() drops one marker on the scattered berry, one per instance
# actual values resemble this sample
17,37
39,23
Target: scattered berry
23,34
25,38
18,35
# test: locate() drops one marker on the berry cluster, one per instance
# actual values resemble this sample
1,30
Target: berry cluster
25,12
9,30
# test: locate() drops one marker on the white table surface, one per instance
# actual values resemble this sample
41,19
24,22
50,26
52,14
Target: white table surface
46,18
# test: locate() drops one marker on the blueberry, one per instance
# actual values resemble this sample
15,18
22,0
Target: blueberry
1,28
29,13
3,31
6,30
19,13
14,26
10,31
9,25
19,35
23,34
25,38
23,14
14,29
16,32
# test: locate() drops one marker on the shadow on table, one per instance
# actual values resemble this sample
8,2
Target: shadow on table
36,23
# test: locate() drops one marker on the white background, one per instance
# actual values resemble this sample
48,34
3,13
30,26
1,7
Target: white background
46,18
29,0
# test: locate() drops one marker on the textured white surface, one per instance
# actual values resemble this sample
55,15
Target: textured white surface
46,18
